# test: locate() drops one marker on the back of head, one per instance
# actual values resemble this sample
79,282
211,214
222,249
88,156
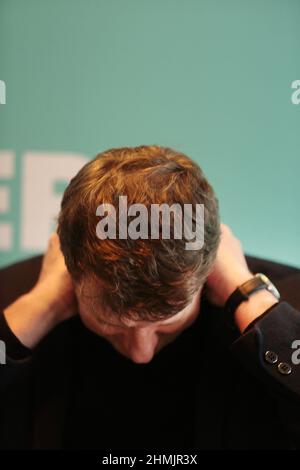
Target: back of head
138,278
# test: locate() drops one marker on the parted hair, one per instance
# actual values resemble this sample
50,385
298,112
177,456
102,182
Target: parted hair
147,279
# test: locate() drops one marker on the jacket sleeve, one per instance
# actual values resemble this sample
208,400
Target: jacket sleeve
270,349
15,358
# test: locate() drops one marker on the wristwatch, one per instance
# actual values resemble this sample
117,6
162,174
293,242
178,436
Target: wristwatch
243,292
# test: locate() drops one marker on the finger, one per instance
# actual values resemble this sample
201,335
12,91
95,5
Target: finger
225,229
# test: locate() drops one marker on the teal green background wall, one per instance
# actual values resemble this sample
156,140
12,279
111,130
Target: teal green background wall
211,78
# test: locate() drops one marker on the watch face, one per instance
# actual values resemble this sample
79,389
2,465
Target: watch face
270,286
264,278
274,291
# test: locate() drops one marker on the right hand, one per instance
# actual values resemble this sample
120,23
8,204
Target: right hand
51,301
55,285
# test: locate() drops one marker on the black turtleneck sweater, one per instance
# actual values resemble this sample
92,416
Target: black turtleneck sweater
116,403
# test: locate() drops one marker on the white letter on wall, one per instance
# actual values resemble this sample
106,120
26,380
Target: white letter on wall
39,203
2,92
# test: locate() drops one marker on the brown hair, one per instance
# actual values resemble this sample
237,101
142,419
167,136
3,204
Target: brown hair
138,279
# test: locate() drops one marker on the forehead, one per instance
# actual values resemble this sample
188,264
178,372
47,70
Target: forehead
128,323
89,298
109,318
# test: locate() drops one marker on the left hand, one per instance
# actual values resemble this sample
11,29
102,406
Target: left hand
230,269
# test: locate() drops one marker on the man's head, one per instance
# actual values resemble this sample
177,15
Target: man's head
137,293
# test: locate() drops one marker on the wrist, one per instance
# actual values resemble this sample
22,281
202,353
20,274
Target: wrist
254,307
44,307
236,279
31,317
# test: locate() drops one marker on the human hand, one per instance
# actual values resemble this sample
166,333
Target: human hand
51,301
55,285
230,269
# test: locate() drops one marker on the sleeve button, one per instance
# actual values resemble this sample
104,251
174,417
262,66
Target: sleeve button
284,368
271,357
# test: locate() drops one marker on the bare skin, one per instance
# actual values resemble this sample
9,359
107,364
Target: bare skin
51,301
55,298
230,271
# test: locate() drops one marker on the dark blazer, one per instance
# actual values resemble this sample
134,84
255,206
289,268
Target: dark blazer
246,402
